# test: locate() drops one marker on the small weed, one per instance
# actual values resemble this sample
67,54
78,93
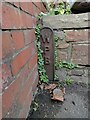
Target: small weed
61,8
68,81
65,64
35,106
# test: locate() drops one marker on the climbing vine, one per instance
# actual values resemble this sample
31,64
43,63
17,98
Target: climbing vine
42,73
59,8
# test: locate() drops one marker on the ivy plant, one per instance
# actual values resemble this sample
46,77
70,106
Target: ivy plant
59,8
42,73
65,64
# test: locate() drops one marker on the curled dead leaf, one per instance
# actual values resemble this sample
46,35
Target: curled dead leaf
50,87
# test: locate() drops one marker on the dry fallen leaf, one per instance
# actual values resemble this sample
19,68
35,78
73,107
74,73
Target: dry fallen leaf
50,87
58,95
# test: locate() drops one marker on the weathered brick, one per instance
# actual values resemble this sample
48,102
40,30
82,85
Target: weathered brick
26,20
30,8
27,87
26,106
36,10
32,61
17,4
18,92
12,92
34,88
0,107
24,6
10,17
62,55
34,22
0,45
38,4
29,21
7,46
21,59
6,76
0,14
76,35
18,39
80,54
9,96
43,9
29,36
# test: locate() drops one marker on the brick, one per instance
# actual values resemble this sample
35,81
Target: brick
32,61
80,54
29,21
24,6
21,59
43,9
36,10
38,4
0,45
0,107
10,17
34,22
14,110
18,39
77,35
30,8
26,20
12,92
29,36
62,55
27,87
0,83
0,14
26,106
9,96
27,6
34,88
7,46
17,4
6,76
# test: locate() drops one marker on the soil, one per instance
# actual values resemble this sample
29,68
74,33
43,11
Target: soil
75,105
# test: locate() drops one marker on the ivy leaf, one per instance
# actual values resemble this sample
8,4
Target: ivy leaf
62,11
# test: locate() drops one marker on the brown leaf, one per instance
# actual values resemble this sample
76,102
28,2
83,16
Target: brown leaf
58,95
50,86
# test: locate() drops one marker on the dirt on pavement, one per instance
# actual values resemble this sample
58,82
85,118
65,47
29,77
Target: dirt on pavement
75,105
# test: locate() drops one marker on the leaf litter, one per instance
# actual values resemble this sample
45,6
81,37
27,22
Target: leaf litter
56,93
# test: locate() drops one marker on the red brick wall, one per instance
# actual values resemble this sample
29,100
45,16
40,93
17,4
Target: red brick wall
73,31
74,46
19,54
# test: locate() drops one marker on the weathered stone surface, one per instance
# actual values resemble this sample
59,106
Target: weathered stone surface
60,34
62,55
80,54
77,35
63,45
81,6
67,21
76,72
62,74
